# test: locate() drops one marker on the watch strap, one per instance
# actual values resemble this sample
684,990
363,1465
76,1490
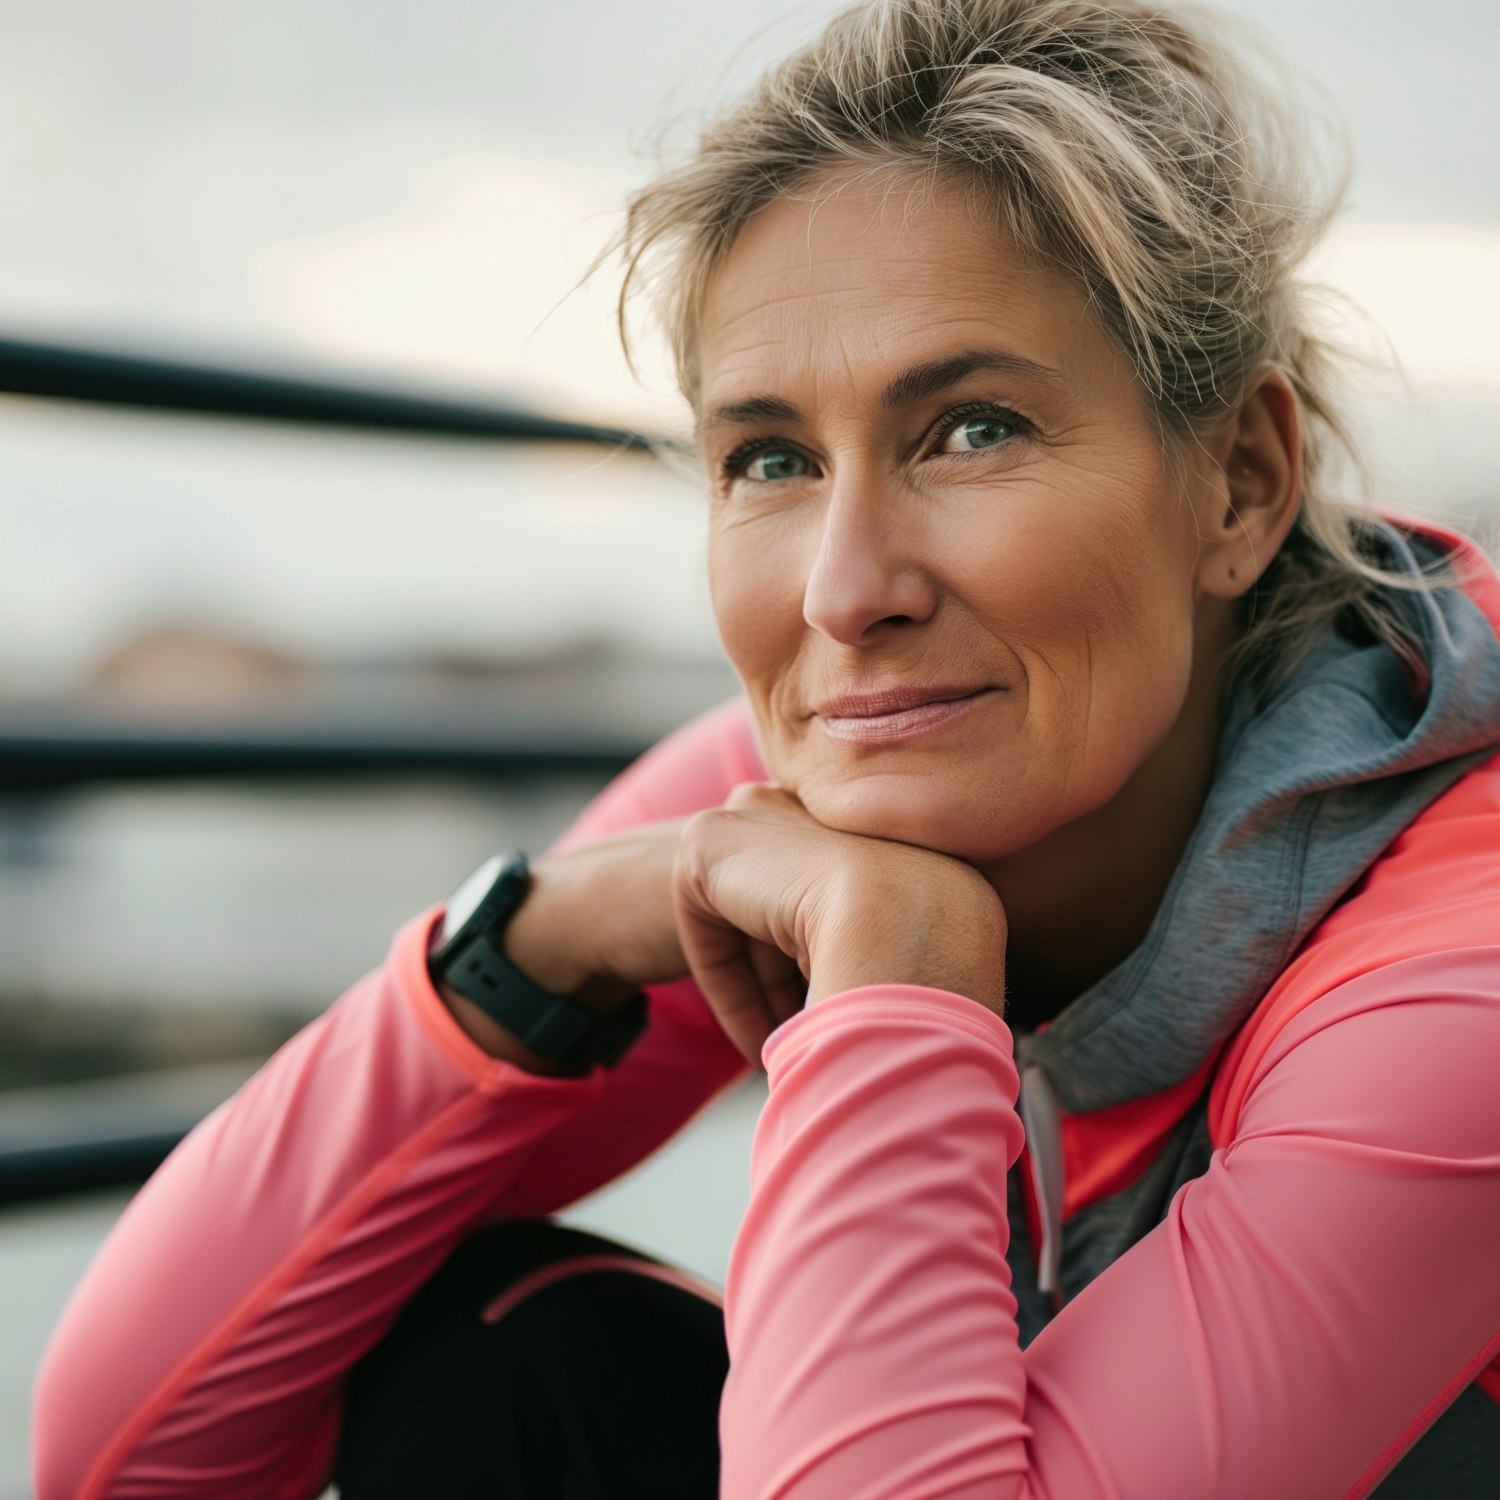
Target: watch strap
552,1026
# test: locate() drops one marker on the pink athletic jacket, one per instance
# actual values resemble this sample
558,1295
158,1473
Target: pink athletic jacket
1304,1312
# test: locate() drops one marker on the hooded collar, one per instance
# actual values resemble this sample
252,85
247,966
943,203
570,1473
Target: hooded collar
1308,789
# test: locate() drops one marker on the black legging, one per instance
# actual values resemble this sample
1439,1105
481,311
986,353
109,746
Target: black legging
602,1382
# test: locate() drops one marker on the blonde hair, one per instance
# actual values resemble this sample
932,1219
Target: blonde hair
1118,140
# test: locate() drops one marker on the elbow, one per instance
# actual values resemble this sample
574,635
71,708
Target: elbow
53,1477
65,1442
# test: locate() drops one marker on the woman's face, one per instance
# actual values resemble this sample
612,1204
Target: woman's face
933,471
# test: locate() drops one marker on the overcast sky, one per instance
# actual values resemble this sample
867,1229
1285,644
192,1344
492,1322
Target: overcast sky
411,185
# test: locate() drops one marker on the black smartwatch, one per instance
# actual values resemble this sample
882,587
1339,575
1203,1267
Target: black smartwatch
468,955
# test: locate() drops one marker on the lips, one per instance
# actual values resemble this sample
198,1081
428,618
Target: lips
893,700
921,721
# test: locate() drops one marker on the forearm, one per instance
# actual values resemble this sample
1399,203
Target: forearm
871,1324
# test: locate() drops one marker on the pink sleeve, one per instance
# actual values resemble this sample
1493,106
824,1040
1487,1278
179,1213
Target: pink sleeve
1306,1310
204,1351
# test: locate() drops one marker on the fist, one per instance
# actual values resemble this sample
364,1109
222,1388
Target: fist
775,910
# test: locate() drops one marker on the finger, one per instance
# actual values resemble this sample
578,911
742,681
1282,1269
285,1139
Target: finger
781,981
718,954
738,883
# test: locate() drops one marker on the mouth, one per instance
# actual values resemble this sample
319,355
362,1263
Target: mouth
909,720
894,700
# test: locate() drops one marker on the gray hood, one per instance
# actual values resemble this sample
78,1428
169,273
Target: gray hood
1308,789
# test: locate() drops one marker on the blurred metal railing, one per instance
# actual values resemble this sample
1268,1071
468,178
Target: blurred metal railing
56,749
81,1137
113,378
72,1138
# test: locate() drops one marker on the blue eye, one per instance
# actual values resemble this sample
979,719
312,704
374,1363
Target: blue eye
979,432
774,463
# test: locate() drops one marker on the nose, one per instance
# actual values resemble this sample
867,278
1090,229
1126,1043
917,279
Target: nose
867,571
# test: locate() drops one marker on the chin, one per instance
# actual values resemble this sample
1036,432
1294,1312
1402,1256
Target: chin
919,811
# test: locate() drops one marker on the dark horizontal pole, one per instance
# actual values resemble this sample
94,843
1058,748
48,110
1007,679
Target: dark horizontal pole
112,1133
42,762
111,378
33,1173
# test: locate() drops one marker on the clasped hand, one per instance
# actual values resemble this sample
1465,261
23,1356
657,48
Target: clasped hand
775,910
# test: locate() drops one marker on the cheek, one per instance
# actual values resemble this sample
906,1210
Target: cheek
756,595
1135,633
734,582
1093,599
757,576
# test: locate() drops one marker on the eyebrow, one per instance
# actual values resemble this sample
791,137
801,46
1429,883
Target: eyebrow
910,385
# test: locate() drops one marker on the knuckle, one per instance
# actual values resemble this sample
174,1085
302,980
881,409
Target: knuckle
693,846
757,796
699,831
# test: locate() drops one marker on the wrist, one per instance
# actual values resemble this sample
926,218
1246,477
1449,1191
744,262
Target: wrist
537,939
542,943
496,1040
545,940
952,940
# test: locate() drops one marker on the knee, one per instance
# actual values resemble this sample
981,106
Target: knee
426,1410
530,1336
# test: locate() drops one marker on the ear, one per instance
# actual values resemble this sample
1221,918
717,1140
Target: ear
1255,488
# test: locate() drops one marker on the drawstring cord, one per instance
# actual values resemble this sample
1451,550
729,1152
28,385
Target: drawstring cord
1041,1119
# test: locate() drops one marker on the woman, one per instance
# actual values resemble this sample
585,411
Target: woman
1102,860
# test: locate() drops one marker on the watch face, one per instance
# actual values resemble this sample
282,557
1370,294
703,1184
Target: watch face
468,896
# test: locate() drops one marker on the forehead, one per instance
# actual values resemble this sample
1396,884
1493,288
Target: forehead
840,287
